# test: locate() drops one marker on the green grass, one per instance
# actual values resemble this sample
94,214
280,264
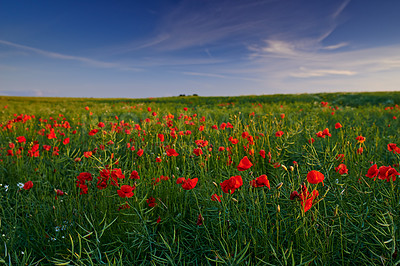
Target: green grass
353,220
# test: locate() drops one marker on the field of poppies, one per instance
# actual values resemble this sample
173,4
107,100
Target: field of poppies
272,180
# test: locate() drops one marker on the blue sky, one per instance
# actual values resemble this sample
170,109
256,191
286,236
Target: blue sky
208,47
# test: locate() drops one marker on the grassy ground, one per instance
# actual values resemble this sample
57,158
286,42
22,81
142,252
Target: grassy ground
67,217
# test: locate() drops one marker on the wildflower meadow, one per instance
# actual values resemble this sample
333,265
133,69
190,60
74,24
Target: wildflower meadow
307,179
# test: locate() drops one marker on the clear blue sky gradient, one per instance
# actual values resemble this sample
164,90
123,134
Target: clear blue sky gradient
208,47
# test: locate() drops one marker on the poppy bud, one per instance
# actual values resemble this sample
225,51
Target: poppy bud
279,185
291,168
284,167
235,200
278,208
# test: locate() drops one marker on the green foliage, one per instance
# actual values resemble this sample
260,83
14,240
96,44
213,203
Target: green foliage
354,219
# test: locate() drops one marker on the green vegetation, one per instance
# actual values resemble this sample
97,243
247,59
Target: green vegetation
71,218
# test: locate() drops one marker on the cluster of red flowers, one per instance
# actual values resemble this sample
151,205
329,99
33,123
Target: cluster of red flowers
384,172
107,177
260,182
81,182
322,134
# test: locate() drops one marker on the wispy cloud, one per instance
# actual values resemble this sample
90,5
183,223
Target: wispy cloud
205,75
307,73
209,23
340,9
89,61
335,46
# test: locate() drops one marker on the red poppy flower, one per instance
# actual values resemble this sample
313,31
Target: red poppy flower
158,160
201,143
373,172
151,202
307,199
66,141
311,141
140,152
189,184
245,135
197,151
360,139
87,154
221,148
276,165
338,125
342,169
123,207
83,188
84,176
59,192
233,141
315,177
294,195
232,184
282,116
101,124
51,135
159,219
180,180
320,134
262,153
279,134
199,220
28,185
93,132
216,197
387,173
126,191
172,152
304,197
21,139
161,137
244,164
393,148
340,156
115,175
360,150
260,182
134,175
326,132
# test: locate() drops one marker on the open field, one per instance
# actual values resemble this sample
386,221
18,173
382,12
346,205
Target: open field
284,179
